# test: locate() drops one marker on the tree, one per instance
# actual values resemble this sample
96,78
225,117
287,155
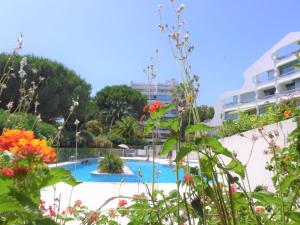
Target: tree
206,112
117,101
55,92
127,127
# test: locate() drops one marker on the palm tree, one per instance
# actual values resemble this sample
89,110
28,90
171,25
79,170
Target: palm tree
127,127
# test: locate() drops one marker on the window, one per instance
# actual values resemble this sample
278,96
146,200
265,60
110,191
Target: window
248,97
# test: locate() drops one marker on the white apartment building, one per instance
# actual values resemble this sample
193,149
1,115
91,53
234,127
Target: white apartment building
158,92
271,79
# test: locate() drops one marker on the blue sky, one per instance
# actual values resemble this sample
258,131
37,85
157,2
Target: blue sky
109,42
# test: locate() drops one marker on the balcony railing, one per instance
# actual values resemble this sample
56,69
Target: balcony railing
289,91
266,97
229,104
289,71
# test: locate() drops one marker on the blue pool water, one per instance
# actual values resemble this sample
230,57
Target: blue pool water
163,173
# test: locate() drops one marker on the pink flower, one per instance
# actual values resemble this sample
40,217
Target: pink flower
260,210
136,196
233,188
51,211
122,202
93,218
7,171
78,203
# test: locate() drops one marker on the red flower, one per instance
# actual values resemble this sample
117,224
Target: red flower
122,202
287,113
155,106
7,171
78,203
20,170
188,178
93,218
51,211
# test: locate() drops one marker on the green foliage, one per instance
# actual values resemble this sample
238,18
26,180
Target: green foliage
94,127
55,93
102,141
274,114
26,121
117,101
127,127
111,163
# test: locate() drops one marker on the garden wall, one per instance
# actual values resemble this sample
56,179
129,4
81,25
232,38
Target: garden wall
258,175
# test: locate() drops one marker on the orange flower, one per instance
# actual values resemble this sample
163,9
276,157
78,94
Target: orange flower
22,143
287,113
188,179
155,106
286,158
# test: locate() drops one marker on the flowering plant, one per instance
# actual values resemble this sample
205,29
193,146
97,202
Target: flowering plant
23,173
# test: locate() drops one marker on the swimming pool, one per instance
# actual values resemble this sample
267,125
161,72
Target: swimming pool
163,173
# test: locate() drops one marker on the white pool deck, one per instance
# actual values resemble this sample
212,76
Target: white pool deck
94,194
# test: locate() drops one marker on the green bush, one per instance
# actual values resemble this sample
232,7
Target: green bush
274,114
26,121
111,163
94,127
102,141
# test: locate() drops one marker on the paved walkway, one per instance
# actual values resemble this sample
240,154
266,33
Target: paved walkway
94,194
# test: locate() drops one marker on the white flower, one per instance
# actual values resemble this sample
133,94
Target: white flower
10,105
39,118
76,122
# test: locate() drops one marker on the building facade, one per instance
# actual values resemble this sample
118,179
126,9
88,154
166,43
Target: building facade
273,78
158,92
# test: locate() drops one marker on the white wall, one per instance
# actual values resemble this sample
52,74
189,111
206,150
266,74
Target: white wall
258,175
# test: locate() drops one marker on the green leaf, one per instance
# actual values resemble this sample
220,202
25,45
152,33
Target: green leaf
59,174
284,185
45,221
184,150
10,204
164,109
295,216
172,124
168,145
237,167
197,207
5,185
149,126
266,198
195,128
214,144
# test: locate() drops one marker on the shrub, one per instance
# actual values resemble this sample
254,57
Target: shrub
102,141
94,127
111,163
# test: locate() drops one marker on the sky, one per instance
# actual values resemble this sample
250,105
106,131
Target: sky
110,42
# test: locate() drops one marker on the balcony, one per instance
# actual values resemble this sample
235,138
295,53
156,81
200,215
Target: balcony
266,97
289,91
264,78
230,104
